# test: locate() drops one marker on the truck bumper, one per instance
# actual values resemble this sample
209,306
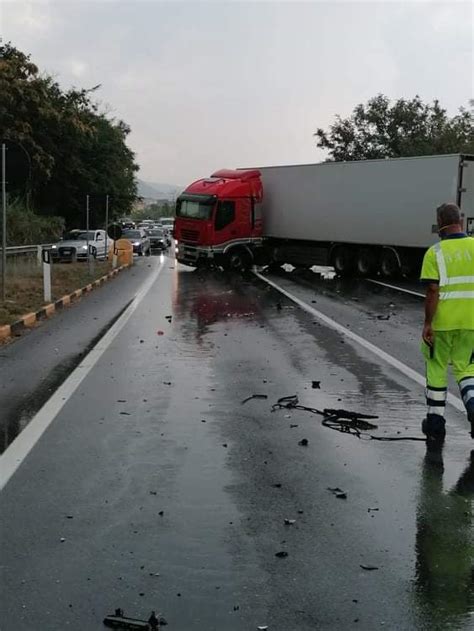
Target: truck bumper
191,255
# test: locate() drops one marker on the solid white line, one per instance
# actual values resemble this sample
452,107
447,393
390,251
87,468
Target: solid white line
14,455
395,363
406,291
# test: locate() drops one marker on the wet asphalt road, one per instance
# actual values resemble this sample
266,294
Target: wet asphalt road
158,426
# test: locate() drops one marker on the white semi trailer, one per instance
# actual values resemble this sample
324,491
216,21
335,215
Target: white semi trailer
363,217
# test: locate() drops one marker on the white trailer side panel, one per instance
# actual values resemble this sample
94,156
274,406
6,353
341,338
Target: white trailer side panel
386,202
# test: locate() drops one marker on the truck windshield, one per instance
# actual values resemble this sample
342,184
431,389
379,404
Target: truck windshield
194,209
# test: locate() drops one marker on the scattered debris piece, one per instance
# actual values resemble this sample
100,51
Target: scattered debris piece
203,420
337,492
282,554
316,385
142,341
161,513
121,401
300,512
119,621
62,539
254,396
383,317
167,383
294,425
369,568
153,492
69,516
303,442
169,318
369,510
263,627
224,444
160,332
277,485
236,607
290,522
125,413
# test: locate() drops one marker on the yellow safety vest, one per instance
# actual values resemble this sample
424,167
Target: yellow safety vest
451,264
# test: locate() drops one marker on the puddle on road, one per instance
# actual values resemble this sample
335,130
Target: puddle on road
444,582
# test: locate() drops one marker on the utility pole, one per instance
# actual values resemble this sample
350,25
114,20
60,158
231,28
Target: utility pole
87,234
4,222
106,226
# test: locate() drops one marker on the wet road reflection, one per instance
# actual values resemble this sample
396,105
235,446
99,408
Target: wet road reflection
444,546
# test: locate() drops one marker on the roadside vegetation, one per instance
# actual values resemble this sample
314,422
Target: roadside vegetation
62,145
25,285
403,128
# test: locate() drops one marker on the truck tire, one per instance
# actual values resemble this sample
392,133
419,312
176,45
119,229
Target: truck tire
389,264
237,260
342,260
366,262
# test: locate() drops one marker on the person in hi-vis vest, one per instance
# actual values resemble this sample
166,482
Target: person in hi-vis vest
448,331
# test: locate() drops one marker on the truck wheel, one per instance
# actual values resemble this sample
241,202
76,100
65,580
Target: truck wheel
343,261
389,264
237,260
366,262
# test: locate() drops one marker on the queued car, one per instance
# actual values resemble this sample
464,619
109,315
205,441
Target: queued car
73,246
158,239
139,240
127,223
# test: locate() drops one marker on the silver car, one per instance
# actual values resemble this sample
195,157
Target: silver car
73,246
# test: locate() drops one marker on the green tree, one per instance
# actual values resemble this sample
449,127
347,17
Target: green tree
381,129
74,148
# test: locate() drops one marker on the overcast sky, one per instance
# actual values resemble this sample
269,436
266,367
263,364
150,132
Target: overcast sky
207,85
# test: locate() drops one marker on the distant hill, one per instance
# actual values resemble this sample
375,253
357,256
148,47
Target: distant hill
158,190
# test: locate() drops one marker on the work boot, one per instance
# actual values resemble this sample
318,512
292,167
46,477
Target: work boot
434,428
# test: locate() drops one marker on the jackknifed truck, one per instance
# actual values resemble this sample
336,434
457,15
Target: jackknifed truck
364,218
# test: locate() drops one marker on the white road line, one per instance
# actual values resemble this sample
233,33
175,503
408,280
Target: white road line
395,363
14,455
405,291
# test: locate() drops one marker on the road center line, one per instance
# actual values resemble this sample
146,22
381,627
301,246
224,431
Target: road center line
17,451
406,291
389,359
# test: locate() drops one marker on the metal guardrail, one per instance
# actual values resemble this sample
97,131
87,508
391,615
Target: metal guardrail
27,249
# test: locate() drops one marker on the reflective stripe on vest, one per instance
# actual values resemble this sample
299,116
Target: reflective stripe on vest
445,280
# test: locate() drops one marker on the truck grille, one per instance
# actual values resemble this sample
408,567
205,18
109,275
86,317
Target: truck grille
190,235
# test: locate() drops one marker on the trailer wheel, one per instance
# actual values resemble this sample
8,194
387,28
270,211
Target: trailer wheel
366,263
343,261
389,264
237,260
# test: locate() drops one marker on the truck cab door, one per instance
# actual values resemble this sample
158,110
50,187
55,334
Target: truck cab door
225,221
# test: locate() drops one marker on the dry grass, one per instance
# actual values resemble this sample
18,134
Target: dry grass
25,286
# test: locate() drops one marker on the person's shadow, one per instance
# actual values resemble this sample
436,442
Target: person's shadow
445,546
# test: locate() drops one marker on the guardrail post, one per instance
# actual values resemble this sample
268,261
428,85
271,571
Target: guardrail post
46,258
39,254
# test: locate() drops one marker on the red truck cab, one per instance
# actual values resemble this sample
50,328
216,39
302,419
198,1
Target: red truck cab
219,220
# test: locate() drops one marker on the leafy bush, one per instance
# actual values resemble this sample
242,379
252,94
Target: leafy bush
24,227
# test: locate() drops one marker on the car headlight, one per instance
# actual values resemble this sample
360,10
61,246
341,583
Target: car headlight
136,243
54,247
84,247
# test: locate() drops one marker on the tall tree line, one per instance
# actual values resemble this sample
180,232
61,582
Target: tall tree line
62,146
402,128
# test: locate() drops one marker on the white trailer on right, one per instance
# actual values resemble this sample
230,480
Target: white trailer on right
363,218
